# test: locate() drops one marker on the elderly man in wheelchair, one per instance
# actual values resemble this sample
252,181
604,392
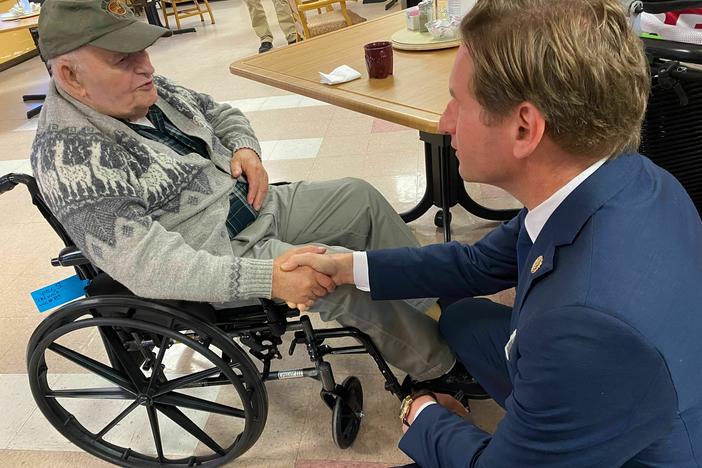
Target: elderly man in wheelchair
158,192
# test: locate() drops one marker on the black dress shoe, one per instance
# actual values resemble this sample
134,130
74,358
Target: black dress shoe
265,47
457,382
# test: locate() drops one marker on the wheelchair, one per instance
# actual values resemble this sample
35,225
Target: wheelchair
129,365
671,134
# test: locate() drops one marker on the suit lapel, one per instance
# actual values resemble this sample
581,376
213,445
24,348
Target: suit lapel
568,219
539,264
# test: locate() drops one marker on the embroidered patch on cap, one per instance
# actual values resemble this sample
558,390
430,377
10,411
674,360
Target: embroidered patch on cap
116,8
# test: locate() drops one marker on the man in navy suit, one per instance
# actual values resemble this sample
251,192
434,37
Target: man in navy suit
599,362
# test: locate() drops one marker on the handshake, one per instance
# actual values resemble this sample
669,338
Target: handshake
304,274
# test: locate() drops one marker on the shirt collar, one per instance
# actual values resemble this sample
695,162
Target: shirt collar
150,120
536,218
144,122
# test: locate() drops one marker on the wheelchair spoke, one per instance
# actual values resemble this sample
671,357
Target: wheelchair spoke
183,421
116,421
126,361
156,369
106,372
155,431
187,401
113,393
186,380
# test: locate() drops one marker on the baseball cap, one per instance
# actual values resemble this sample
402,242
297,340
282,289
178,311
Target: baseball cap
66,25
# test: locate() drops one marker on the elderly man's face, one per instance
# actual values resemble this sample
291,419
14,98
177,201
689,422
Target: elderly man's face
116,84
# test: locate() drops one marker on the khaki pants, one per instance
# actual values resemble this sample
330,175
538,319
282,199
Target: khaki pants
352,214
260,24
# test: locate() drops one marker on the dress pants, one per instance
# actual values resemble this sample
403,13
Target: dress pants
477,331
259,23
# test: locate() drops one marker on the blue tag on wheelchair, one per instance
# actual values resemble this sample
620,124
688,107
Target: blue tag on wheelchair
59,293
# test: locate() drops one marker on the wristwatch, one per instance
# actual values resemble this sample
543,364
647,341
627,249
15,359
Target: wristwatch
409,399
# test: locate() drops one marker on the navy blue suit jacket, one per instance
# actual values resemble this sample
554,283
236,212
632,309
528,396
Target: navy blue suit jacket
606,365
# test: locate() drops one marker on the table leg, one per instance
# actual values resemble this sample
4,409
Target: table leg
152,13
33,97
34,32
34,111
447,201
445,187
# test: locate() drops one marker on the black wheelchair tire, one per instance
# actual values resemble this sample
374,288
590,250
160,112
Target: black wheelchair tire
140,314
347,413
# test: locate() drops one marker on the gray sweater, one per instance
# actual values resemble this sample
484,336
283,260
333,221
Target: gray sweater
152,219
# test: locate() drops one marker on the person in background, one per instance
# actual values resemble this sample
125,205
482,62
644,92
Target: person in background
259,22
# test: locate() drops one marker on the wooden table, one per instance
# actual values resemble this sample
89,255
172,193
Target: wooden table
13,25
415,96
31,24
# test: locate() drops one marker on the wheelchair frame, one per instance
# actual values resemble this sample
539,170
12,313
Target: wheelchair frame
132,328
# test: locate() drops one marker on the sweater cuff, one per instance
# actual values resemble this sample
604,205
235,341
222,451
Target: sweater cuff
252,277
245,142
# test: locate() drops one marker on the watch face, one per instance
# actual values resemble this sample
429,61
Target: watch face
405,408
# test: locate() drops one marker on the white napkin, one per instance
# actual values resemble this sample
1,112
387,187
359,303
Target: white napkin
340,74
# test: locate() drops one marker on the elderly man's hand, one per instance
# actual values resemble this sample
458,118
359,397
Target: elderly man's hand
450,403
302,286
245,161
337,266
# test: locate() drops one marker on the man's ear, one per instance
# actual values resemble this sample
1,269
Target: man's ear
66,74
530,127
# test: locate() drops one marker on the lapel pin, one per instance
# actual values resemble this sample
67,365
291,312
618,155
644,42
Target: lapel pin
537,264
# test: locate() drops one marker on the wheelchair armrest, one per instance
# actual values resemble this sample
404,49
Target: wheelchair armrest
6,184
70,256
9,181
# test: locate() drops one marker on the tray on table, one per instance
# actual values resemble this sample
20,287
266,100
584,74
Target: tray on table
404,39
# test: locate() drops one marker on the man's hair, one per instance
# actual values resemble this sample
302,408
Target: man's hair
72,58
578,61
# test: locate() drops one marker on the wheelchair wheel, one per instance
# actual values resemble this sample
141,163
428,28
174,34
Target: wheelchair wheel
138,383
347,414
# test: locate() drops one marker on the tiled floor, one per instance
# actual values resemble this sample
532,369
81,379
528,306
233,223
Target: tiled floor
301,139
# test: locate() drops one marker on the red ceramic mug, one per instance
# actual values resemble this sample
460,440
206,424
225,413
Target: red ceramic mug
378,59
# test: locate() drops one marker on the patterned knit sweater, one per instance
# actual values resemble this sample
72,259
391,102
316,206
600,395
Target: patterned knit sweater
152,219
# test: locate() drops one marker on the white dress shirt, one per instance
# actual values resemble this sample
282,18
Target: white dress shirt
536,218
143,121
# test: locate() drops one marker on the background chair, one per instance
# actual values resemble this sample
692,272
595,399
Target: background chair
671,134
196,9
324,21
